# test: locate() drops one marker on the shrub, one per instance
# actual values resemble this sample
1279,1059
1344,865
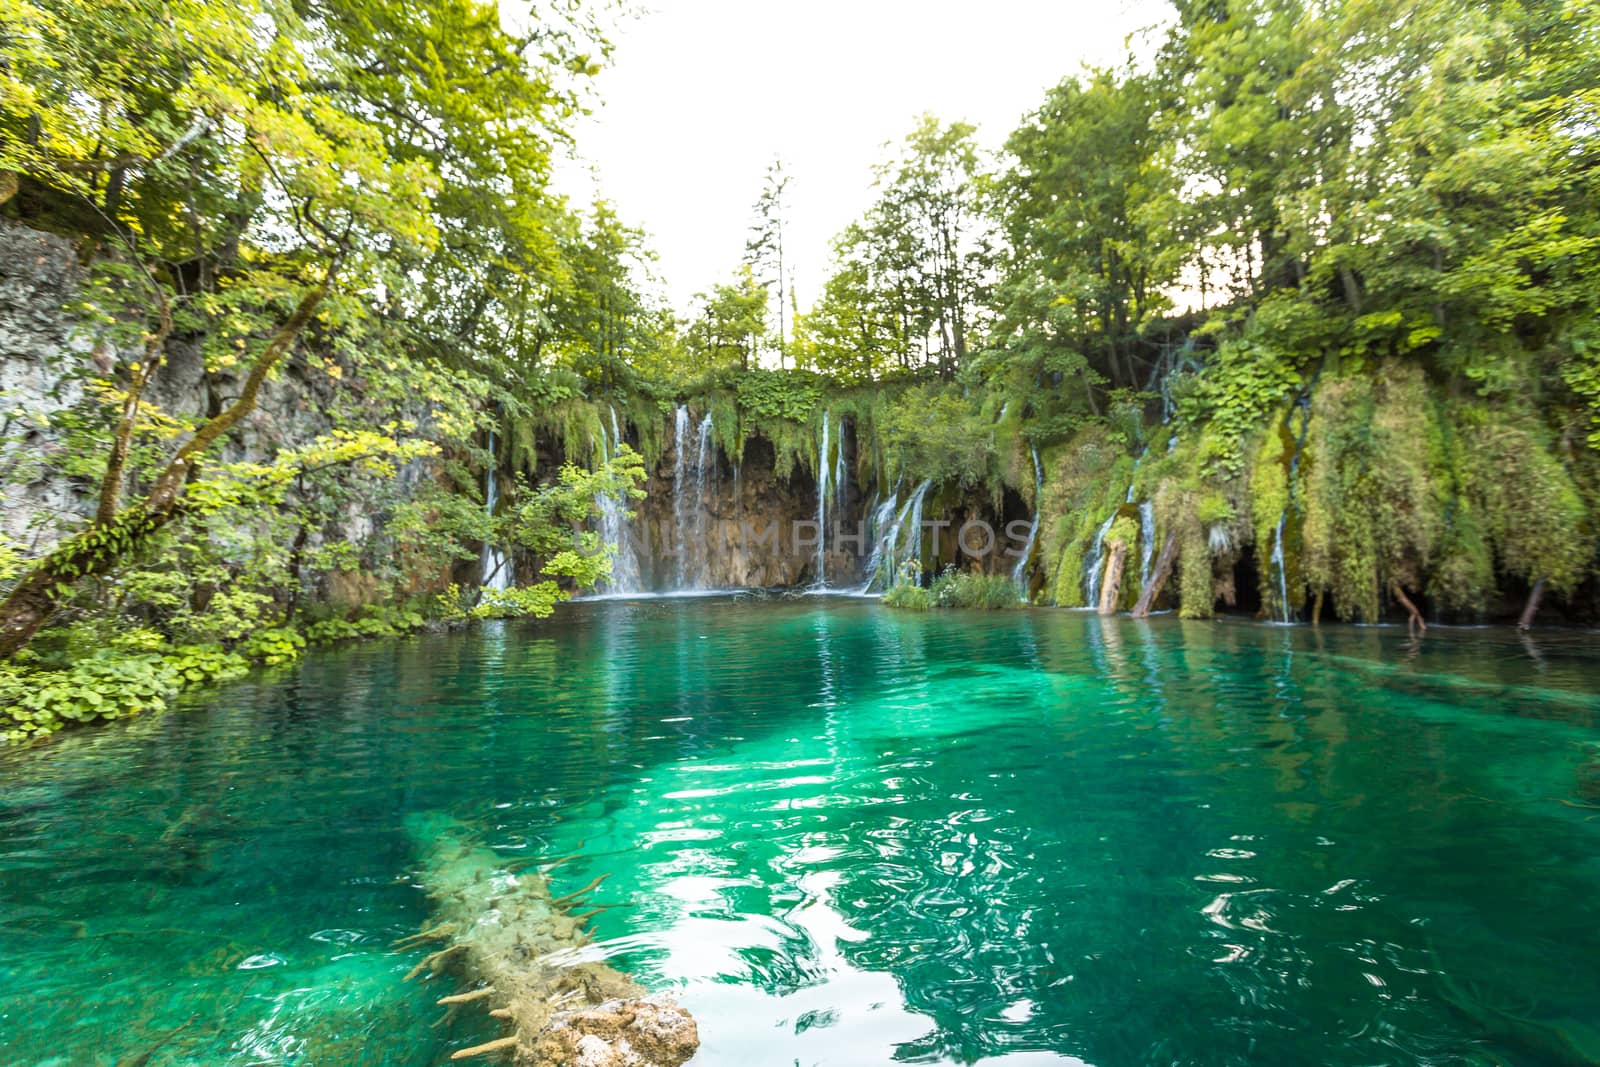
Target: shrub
908,598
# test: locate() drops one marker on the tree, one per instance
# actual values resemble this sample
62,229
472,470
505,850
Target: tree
731,325
916,265
1085,213
764,250
264,167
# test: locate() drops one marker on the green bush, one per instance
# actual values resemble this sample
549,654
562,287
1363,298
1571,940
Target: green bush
954,589
985,592
908,598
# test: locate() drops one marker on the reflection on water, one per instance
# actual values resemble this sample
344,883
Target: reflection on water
847,836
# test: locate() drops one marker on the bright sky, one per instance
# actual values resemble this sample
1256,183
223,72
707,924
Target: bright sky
702,94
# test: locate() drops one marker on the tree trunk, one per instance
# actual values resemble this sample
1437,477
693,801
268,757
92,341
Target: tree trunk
1158,577
1111,587
1415,622
95,551
122,441
1531,608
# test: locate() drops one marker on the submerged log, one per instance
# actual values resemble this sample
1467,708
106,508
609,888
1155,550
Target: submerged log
1158,577
515,946
1111,587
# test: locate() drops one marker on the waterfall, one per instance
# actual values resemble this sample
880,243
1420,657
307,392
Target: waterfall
1277,563
494,569
703,457
884,530
1019,574
910,525
822,507
680,475
1092,563
1147,541
614,520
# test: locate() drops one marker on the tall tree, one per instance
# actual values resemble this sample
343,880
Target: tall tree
1086,212
764,249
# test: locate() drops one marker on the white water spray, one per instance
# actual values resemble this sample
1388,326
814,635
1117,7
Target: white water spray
614,525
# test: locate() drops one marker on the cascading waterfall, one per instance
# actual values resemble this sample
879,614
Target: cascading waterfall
494,569
883,532
1019,574
680,476
1091,580
705,457
910,526
1277,565
1147,540
614,529
896,538
822,506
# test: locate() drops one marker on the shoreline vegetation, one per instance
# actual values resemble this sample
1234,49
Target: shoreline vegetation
301,342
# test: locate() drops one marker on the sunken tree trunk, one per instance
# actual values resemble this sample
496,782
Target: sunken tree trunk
514,948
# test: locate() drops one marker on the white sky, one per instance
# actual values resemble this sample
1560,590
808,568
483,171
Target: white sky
702,94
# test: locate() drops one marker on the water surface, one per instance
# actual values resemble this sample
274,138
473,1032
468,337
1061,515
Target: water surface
847,836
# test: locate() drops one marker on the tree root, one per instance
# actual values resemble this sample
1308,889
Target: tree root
435,962
441,932
499,1044
515,942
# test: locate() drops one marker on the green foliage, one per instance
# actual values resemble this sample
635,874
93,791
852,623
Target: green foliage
965,589
112,683
272,646
934,432
908,597
767,395
953,588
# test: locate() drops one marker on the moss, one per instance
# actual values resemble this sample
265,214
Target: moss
1086,480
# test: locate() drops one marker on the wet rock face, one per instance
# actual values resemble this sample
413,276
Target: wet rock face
47,349
639,1032
738,527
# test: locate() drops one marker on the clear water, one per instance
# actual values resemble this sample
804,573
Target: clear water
847,836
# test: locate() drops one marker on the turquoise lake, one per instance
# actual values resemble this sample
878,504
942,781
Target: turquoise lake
846,836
